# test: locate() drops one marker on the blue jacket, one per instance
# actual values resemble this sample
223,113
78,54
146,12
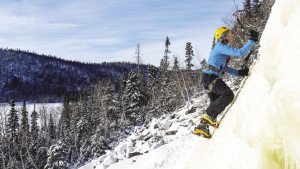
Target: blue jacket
219,54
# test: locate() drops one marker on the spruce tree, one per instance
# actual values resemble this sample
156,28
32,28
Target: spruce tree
134,99
24,124
176,82
176,65
52,132
189,53
165,96
138,57
65,122
12,126
24,135
33,141
112,105
34,130
152,92
57,157
84,128
165,63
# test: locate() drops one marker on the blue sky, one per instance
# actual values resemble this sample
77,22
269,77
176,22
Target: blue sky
109,30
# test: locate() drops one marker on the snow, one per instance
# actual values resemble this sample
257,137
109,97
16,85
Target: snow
260,130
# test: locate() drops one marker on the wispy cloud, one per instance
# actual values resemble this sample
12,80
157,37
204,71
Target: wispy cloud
98,30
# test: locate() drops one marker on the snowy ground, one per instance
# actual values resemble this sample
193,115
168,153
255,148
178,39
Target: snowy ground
147,139
261,130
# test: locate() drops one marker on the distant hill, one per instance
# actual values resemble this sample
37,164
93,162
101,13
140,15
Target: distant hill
37,77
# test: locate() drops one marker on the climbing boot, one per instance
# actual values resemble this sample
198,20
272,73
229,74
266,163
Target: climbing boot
203,130
206,119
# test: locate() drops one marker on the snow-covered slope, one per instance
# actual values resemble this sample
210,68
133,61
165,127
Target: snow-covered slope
262,128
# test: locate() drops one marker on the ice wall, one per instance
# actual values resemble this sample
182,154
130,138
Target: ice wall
272,110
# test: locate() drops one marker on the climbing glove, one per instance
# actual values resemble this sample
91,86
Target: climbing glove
244,72
254,35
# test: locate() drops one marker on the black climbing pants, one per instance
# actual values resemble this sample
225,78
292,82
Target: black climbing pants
220,96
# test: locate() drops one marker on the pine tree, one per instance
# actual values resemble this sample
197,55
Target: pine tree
152,93
24,124
166,98
84,128
165,63
34,130
34,139
98,143
57,157
24,136
12,126
177,82
189,56
176,68
65,122
52,132
41,156
138,57
134,98
165,92
112,105
85,151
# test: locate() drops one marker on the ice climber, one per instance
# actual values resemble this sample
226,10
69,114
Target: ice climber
219,93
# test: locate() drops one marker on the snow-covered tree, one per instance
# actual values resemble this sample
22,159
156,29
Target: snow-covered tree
41,156
85,152
166,98
57,157
34,130
112,105
189,53
65,121
165,88
52,130
165,63
138,57
98,143
24,137
175,67
134,98
24,121
12,126
152,85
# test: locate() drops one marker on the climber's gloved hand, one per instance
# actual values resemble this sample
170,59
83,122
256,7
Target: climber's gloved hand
244,72
254,35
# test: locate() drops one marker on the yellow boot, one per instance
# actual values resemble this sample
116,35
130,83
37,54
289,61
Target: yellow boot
203,130
207,119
